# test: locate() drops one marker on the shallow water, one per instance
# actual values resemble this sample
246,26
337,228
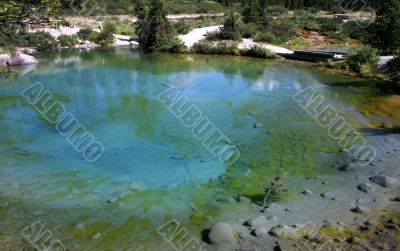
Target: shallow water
153,168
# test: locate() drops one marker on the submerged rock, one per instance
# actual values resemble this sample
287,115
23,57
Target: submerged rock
396,199
137,186
365,187
257,221
96,236
360,210
281,231
261,232
307,192
221,233
80,225
384,181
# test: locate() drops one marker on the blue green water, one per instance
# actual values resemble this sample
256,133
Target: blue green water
153,168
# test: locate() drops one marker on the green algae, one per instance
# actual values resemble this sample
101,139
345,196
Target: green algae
140,110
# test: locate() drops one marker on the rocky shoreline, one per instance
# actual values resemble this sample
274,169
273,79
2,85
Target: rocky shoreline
352,208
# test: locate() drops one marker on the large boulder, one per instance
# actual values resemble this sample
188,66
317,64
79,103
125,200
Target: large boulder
221,233
17,58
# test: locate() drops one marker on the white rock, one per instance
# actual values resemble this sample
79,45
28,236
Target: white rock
365,187
258,221
261,232
384,181
80,225
221,233
17,58
281,231
137,186
96,236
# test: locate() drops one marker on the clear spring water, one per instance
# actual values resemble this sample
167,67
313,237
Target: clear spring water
153,169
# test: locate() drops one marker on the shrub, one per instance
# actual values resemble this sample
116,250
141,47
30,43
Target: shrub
358,60
106,36
220,49
249,30
65,22
213,36
7,74
85,33
41,41
125,28
268,38
177,46
259,52
231,29
394,72
182,27
275,10
354,30
68,41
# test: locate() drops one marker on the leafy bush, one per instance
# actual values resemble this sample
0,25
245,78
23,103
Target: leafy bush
275,10
177,46
363,60
125,28
65,22
354,30
394,72
85,33
7,74
268,38
220,49
41,41
182,27
68,41
259,52
231,29
105,37
213,36
249,30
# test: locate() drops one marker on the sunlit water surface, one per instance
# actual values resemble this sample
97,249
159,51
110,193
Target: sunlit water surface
153,168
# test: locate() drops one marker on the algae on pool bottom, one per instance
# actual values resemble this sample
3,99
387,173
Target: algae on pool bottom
153,169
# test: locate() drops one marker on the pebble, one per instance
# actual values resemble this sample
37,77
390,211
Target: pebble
280,230
137,186
96,236
353,240
80,225
220,233
396,199
261,232
365,187
384,181
111,200
257,221
360,210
